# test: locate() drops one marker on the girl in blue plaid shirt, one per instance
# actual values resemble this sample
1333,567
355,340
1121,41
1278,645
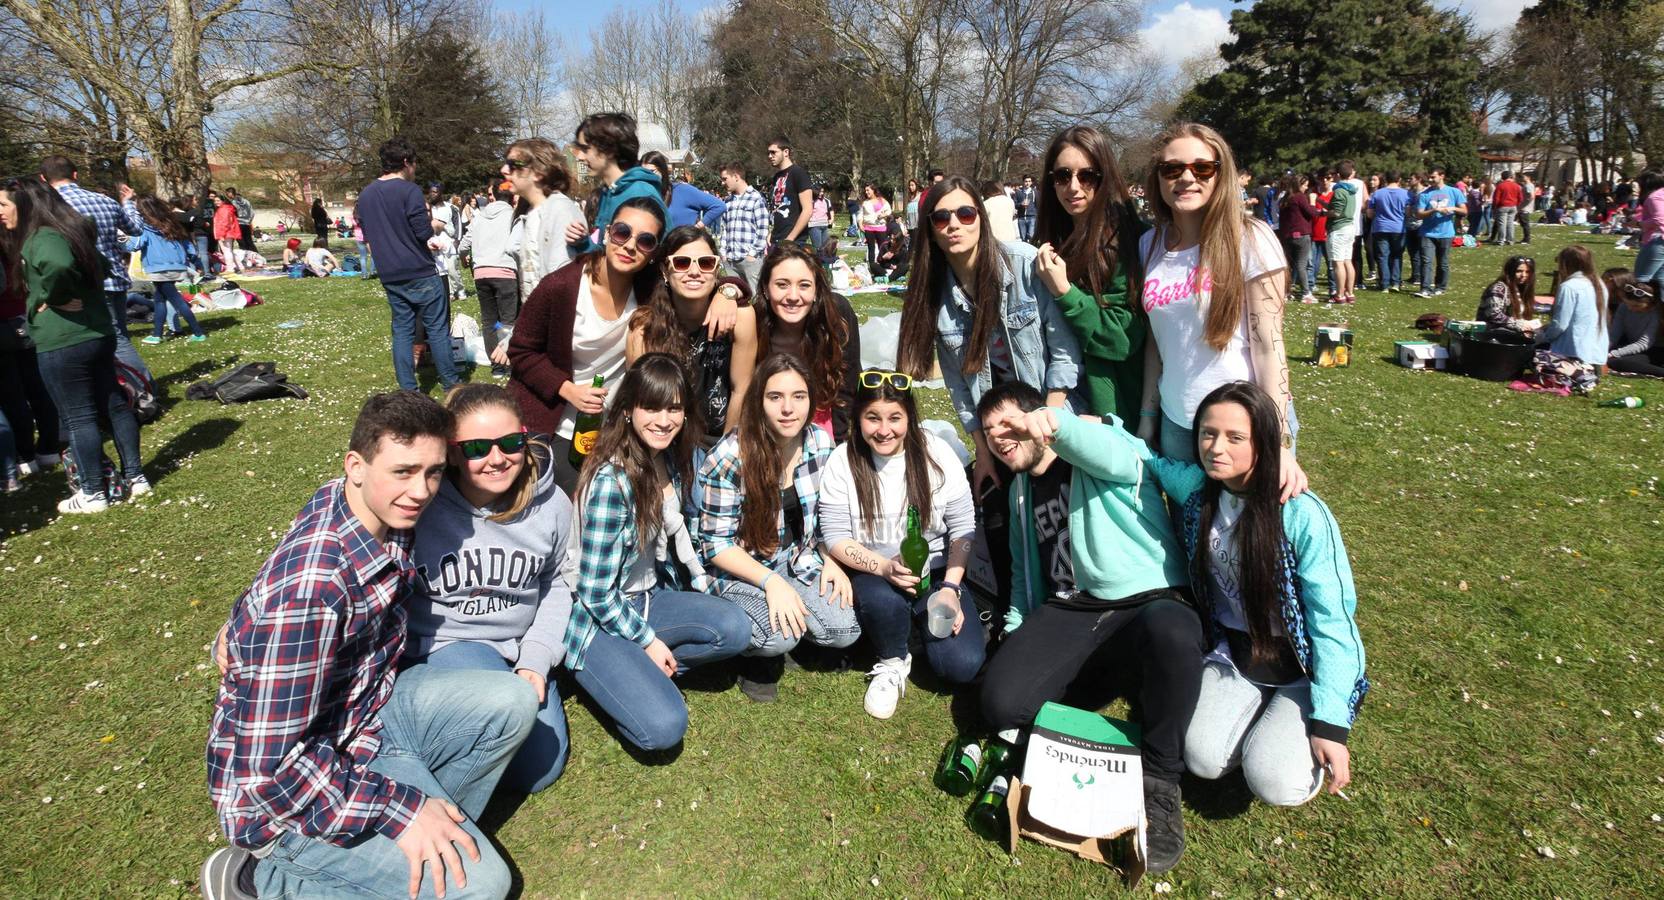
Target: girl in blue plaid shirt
760,492
640,613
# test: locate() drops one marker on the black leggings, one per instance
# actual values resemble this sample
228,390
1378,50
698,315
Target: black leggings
1153,651
1650,363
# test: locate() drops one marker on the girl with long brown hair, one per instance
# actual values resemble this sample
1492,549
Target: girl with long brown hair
801,316
536,172
673,322
759,508
1088,233
165,252
872,487
1577,328
643,610
1508,301
1215,284
979,307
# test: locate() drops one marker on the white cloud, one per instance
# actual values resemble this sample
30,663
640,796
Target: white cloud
1184,31
1490,15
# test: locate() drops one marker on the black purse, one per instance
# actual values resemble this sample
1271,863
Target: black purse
14,335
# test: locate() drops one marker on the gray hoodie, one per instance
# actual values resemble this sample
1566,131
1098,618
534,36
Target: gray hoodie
490,236
496,583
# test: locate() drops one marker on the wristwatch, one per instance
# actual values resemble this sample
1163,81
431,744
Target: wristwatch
953,586
731,292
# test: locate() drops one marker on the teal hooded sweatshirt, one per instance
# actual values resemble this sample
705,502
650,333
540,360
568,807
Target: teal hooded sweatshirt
1120,535
636,182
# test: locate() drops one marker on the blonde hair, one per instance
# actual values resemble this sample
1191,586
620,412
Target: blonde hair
467,399
1219,255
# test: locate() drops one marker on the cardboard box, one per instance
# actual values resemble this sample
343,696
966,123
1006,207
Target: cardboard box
1421,355
1082,789
1332,347
1459,327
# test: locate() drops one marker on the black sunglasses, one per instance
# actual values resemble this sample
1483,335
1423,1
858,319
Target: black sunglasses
1089,178
966,214
480,448
1203,169
620,233
683,263
515,164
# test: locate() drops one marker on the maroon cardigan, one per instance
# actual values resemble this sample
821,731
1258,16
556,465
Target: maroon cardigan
540,352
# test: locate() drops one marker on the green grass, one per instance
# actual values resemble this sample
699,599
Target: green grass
1507,554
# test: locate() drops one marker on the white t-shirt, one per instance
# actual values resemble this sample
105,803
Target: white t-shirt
597,349
1177,302
951,510
316,257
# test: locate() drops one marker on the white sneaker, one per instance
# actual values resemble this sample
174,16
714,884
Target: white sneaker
889,682
28,467
138,487
83,503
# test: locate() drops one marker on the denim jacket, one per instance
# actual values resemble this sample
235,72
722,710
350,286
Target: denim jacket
1044,351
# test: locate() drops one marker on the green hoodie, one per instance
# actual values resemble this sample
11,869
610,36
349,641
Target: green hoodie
637,181
1120,536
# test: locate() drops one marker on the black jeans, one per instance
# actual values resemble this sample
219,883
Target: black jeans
1650,363
1152,651
499,302
82,381
27,405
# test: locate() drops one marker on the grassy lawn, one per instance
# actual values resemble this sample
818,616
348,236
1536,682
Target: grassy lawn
1506,548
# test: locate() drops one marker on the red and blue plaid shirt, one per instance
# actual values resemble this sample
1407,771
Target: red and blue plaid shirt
313,643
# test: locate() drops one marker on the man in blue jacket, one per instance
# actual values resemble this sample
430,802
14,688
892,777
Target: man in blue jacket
397,223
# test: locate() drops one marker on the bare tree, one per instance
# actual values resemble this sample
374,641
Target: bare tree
650,64
526,55
158,67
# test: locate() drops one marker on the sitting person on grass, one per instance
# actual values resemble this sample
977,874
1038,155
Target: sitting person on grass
1577,328
1507,302
1098,596
331,770
291,253
1636,346
488,557
319,261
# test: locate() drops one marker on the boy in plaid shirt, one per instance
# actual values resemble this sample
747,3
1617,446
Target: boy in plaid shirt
332,771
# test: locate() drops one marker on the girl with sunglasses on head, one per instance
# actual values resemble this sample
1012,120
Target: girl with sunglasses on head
535,170
1088,259
870,486
802,317
488,555
673,322
981,309
1636,346
1214,289
759,511
643,610
1506,304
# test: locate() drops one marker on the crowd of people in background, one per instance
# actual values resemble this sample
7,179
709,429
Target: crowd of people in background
681,460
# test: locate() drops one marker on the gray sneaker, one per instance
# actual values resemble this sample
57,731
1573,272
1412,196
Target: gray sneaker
228,874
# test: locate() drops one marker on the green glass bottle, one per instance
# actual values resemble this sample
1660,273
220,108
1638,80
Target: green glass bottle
915,551
998,758
961,766
987,816
1623,403
585,431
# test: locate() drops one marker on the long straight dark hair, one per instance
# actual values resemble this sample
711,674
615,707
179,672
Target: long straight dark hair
761,460
930,273
660,164
920,465
157,215
825,334
1259,530
1519,305
1108,232
40,206
656,381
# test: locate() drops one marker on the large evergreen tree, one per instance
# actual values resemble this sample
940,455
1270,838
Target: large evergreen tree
1386,83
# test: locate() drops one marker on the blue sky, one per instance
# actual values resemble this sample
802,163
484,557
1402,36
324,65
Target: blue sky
1180,28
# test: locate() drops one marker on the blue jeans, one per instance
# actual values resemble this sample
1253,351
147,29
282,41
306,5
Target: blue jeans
1179,442
1320,251
448,733
543,756
818,235
8,450
82,382
1435,252
1649,264
1389,258
1412,244
167,295
204,252
1025,228
125,351
420,298
887,617
622,680
366,262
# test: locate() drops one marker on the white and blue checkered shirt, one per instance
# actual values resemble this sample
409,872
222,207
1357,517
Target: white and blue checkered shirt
110,218
745,226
